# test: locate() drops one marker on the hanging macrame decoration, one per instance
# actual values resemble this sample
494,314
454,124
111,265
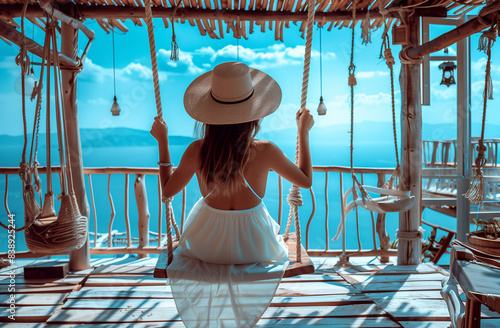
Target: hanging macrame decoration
476,192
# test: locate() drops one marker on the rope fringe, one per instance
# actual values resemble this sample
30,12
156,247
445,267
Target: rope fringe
366,32
476,191
490,34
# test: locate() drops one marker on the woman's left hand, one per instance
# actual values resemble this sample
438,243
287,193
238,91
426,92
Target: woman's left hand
159,130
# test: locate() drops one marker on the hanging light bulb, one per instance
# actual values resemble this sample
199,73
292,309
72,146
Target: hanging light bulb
115,108
321,107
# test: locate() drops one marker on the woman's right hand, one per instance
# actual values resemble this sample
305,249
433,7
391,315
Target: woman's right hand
159,130
305,120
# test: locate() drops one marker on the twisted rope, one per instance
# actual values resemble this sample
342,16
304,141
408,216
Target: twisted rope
154,66
294,197
476,192
410,235
31,207
386,53
152,52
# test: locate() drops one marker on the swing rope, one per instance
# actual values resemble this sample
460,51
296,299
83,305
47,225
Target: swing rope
154,66
476,192
294,197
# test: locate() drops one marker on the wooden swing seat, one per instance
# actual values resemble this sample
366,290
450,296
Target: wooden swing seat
392,200
294,268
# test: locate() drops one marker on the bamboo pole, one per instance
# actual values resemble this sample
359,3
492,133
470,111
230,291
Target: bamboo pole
183,13
409,248
78,259
463,31
10,33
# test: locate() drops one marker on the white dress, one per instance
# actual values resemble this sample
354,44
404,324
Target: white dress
227,266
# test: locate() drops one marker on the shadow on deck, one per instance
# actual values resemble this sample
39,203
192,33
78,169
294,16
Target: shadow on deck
123,293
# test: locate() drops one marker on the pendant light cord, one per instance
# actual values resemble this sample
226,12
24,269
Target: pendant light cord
320,63
114,76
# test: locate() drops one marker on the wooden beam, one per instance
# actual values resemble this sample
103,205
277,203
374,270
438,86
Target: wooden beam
463,31
10,33
133,12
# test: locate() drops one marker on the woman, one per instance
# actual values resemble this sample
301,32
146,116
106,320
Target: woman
230,258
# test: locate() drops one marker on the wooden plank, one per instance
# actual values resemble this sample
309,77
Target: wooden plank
314,288
321,300
30,314
425,324
365,279
25,289
124,280
25,325
411,309
397,286
400,269
33,299
167,314
328,322
414,294
122,269
314,277
122,292
68,280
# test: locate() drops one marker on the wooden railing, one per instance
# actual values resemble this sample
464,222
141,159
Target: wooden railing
105,242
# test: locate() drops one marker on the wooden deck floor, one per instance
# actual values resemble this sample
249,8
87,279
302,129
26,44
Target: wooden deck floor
123,293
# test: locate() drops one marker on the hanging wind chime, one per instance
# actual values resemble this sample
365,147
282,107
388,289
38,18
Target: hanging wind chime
115,108
321,107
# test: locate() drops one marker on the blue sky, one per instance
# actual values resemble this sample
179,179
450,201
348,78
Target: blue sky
283,61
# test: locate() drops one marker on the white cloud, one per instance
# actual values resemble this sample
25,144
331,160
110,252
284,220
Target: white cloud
442,92
132,72
8,64
273,56
184,65
369,74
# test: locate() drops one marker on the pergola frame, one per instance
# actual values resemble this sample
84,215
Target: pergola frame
411,114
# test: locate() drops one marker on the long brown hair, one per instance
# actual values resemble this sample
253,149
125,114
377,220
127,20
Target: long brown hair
224,153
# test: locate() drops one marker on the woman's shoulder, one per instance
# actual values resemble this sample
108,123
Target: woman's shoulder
266,147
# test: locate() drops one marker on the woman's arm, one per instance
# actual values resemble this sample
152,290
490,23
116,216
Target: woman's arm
172,181
301,175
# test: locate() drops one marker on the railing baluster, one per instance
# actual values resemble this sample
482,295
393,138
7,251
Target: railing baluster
110,236
343,214
141,198
127,220
93,209
327,207
160,209
280,199
183,213
5,198
313,198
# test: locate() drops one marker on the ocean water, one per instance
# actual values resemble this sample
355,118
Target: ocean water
366,155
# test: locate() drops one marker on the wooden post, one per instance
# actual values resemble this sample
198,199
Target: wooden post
463,138
143,210
409,248
385,240
78,259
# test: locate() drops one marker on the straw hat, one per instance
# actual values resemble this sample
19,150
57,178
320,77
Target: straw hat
232,93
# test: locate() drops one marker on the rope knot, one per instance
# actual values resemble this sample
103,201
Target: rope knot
167,200
389,58
352,80
294,197
488,35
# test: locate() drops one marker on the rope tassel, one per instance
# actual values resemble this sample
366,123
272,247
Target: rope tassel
174,53
489,35
488,90
475,194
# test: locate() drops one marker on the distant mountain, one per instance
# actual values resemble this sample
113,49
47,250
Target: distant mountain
112,137
364,133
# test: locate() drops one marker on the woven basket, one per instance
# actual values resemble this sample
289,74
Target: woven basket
491,246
